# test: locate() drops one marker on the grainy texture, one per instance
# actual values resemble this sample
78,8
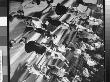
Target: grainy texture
56,40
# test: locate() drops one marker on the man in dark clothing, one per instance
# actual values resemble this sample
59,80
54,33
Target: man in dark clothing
53,22
11,42
22,17
28,29
60,10
21,12
44,26
49,1
79,2
33,46
40,30
10,17
36,14
48,34
24,39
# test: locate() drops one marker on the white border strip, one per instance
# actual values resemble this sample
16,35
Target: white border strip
107,2
3,21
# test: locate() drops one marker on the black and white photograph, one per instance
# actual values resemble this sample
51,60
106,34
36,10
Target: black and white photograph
56,40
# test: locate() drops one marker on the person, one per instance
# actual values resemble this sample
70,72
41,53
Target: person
40,30
54,22
34,46
44,26
24,40
22,17
49,1
37,1
62,48
47,33
85,21
28,29
60,10
52,73
36,14
11,42
20,12
10,17
79,2
77,52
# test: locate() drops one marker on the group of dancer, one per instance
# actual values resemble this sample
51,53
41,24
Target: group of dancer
79,52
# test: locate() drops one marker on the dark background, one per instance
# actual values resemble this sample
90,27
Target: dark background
3,8
3,3
16,0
